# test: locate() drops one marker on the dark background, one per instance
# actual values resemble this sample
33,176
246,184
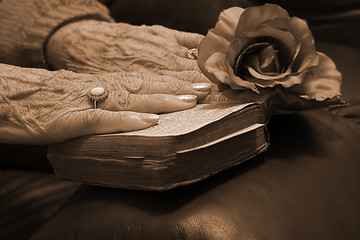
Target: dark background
329,20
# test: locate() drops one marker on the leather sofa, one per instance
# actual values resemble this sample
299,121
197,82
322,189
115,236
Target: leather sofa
306,186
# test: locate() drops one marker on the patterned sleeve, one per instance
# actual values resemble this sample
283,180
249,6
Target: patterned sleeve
26,25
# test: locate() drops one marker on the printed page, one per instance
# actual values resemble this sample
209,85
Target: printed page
182,122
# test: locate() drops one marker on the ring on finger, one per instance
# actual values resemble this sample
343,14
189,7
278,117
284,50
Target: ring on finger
192,53
97,95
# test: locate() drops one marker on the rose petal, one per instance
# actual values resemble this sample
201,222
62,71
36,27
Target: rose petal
227,23
257,26
284,41
237,52
211,44
239,83
293,80
220,68
287,82
219,38
235,49
253,17
301,32
267,58
267,77
215,65
323,81
280,23
253,61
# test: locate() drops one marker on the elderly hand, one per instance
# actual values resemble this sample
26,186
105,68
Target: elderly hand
91,46
41,107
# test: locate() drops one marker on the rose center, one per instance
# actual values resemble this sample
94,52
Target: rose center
261,58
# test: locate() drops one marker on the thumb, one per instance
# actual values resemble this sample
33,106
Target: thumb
98,121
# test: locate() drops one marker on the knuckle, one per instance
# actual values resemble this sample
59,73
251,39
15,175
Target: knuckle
160,98
187,76
151,77
185,65
157,67
91,119
124,74
195,77
122,116
171,61
133,85
123,100
182,51
176,87
169,78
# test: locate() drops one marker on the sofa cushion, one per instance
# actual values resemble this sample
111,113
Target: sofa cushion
28,199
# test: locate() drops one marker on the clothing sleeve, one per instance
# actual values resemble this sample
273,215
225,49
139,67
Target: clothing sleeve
26,26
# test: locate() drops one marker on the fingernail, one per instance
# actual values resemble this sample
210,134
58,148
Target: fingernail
187,98
201,87
150,118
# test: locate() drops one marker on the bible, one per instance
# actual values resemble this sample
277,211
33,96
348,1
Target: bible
185,147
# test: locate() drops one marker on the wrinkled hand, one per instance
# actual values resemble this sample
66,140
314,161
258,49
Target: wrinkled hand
91,46
41,107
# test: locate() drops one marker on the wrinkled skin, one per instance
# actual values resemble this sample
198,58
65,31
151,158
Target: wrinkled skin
38,106
92,46
143,69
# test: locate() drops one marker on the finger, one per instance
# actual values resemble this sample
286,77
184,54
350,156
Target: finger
157,44
149,103
189,76
183,64
172,61
174,87
179,87
187,39
157,38
98,121
148,75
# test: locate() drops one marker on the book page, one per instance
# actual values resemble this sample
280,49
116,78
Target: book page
182,122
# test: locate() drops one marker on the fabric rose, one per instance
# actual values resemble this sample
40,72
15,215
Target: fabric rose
263,47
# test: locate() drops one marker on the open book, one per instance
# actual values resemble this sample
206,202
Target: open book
185,147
